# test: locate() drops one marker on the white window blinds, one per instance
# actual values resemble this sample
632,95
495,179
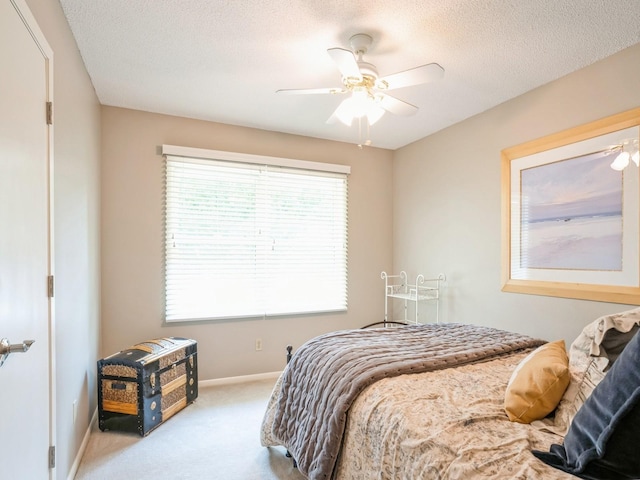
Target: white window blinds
248,239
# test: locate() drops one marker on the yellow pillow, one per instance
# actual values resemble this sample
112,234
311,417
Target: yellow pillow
538,383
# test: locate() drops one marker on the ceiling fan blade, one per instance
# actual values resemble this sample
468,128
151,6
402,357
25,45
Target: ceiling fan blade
396,106
346,63
312,91
415,76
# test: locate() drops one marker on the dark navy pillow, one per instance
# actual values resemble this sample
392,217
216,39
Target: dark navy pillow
602,441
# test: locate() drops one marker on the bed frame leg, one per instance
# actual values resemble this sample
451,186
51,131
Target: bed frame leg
288,454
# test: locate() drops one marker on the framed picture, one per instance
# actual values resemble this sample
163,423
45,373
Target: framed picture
571,213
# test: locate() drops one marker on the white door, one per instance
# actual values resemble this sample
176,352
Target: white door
26,423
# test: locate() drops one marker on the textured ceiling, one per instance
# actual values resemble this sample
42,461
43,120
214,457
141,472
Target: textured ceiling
223,60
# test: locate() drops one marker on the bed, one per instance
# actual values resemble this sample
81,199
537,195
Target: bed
428,401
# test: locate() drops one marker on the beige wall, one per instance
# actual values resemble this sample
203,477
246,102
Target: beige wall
76,151
447,198
445,193
132,236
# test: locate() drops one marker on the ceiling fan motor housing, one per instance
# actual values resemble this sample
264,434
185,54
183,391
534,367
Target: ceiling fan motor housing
368,70
360,42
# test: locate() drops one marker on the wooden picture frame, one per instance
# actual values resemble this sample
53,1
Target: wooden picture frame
585,245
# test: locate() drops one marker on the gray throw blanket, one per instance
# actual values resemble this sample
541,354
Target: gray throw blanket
327,373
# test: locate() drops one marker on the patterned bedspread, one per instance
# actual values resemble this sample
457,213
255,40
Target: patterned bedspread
308,413
448,424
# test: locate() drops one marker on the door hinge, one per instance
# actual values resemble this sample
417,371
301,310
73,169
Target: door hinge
50,286
52,456
49,113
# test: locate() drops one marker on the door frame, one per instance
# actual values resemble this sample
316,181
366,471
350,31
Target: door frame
32,26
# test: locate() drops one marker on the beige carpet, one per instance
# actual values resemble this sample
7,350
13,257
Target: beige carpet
216,437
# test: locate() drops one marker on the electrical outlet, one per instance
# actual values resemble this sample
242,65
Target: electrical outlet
75,411
258,344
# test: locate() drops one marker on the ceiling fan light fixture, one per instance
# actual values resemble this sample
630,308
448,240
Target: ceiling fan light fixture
633,150
375,114
621,161
361,101
360,104
628,151
344,112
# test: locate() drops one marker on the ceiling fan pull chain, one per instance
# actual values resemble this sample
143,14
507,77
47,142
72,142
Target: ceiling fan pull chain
368,141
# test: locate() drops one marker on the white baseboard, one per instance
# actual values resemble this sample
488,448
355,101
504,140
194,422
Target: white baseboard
240,379
83,446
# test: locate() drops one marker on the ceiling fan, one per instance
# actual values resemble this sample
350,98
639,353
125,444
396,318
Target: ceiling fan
360,79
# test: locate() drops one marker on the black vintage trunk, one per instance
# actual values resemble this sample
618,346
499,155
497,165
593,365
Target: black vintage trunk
143,386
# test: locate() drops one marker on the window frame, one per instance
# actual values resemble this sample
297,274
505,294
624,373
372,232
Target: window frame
201,156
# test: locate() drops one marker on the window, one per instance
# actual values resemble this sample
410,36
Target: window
253,236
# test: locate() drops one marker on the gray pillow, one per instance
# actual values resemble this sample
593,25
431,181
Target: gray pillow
614,342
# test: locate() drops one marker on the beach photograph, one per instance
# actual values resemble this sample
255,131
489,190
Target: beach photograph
571,214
